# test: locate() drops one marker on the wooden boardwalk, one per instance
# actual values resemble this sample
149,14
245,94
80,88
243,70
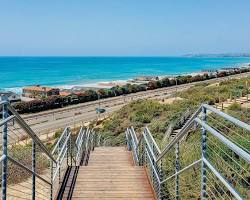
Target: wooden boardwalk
111,174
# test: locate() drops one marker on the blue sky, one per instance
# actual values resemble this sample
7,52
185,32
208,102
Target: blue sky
123,27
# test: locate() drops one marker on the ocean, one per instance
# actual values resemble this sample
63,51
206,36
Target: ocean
66,72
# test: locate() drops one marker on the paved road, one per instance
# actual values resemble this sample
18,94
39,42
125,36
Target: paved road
52,120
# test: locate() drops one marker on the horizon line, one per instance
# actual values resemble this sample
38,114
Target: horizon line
124,56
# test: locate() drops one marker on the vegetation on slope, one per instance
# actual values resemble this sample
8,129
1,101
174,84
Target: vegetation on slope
158,116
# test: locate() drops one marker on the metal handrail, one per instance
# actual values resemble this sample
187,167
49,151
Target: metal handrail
30,132
218,175
149,148
65,153
59,140
231,145
145,148
195,163
6,120
228,117
180,135
28,169
153,141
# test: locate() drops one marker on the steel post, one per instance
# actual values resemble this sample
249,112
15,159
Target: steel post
4,149
70,149
142,153
203,150
59,171
67,150
161,186
34,170
177,169
51,180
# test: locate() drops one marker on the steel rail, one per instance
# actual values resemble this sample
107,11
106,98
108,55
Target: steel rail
194,164
139,143
2,158
59,140
62,151
180,135
63,147
149,151
228,117
30,132
224,181
224,140
149,147
153,167
80,139
7,120
153,140
3,103
134,144
28,169
79,135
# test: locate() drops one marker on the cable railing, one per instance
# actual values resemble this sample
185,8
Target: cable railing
213,162
30,170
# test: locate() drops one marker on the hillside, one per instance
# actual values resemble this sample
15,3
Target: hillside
158,115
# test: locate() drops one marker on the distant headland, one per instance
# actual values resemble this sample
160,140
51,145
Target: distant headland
224,55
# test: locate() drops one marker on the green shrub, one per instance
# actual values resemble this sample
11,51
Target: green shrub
234,106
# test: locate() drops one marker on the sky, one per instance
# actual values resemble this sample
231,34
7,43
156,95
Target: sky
123,27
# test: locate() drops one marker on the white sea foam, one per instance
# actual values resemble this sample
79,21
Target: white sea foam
17,90
101,84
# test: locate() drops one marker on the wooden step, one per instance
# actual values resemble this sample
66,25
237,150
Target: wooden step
112,194
110,174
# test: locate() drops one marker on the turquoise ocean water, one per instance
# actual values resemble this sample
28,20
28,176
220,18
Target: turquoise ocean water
16,72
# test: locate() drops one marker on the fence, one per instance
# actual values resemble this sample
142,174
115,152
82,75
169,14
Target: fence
29,169
212,162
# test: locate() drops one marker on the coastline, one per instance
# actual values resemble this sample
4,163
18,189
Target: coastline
107,84
153,93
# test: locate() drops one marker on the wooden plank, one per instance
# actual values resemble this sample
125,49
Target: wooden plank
113,194
110,174
112,198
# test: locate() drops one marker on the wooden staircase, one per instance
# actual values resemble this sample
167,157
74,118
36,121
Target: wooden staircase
111,174
177,130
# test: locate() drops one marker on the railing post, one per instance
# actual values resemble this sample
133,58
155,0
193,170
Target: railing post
161,186
154,164
58,163
99,140
177,169
142,153
67,146
128,140
203,165
34,170
70,148
4,148
51,179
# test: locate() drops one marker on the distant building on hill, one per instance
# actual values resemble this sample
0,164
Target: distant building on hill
147,78
209,71
12,97
38,91
69,96
230,68
65,93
